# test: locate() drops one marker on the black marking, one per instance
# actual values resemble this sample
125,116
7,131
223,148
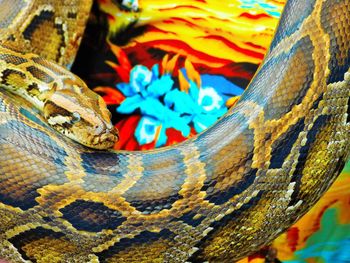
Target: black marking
59,111
209,186
267,137
155,206
188,218
40,75
221,197
303,154
33,89
338,71
143,239
36,21
24,201
12,59
27,237
217,226
72,15
11,38
317,102
60,31
47,219
282,147
64,126
91,216
8,72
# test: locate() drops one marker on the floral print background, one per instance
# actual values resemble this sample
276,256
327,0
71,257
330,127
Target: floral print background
169,69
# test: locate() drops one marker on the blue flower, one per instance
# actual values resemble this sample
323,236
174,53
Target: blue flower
144,90
201,106
143,93
163,106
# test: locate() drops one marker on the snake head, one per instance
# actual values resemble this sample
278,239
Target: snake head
80,114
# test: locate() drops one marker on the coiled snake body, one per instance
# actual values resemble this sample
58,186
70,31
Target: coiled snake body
216,197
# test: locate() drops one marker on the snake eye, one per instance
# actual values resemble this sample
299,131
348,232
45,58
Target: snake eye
75,117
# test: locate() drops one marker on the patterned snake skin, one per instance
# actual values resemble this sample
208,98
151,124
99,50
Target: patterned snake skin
214,198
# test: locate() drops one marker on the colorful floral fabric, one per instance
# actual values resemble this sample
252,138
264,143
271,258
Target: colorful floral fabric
169,69
163,105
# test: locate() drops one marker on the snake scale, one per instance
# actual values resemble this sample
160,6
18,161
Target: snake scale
216,197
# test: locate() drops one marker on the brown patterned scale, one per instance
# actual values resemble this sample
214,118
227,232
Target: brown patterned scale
214,198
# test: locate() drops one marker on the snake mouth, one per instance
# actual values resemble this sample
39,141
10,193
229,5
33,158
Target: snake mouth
102,141
105,140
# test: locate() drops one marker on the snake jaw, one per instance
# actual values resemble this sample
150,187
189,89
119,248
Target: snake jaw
103,137
106,140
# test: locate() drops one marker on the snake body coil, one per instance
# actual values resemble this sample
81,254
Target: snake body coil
216,197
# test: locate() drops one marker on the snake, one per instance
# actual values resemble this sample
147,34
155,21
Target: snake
216,197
